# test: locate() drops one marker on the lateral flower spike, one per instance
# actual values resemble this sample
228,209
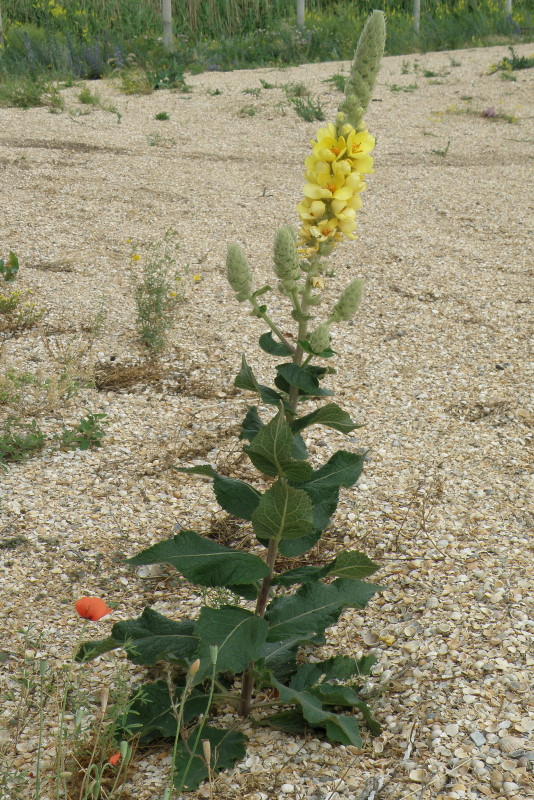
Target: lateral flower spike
238,273
364,70
320,338
286,257
346,306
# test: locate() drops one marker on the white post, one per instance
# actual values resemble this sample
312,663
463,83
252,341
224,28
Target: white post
166,9
417,14
300,13
508,8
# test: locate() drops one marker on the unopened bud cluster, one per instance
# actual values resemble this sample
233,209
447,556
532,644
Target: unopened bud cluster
346,306
238,272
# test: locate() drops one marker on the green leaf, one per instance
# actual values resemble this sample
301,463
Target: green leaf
151,714
343,729
235,497
314,607
203,561
89,650
288,721
280,658
290,548
330,415
272,346
339,668
301,378
335,695
245,378
251,425
352,564
306,346
342,469
238,633
227,747
307,574
299,450
270,450
152,637
283,513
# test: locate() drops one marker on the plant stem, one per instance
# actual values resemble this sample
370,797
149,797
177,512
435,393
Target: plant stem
298,353
272,325
261,605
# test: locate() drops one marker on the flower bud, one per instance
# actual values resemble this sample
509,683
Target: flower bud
238,272
206,749
193,669
364,69
346,306
320,338
286,258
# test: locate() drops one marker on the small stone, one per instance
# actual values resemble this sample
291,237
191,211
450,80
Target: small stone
452,729
418,775
287,788
478,738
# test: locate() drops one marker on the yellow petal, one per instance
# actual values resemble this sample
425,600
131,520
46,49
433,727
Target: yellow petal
315,192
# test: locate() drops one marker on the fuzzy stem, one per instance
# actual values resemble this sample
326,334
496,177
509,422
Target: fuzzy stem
261,605
272,325
303,329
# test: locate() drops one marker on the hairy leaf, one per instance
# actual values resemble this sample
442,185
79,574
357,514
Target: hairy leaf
251,425
235,497
288,721
273,346
227,747
203,561
283,513
342,469
89,650
352,564
152,637
302,379
238,633
270,451
330,415
151,715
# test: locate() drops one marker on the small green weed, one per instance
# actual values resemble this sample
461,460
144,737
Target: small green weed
19,441
157,140
444,151
338,80
17,314
412,87
162,116
308,109
248,111
267,85
87,433
294,90
87,98
511,62
214,92
255,91
10,267
157,292
507,76
12,384
405,69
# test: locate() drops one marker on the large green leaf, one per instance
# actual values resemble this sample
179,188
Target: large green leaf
337,668
352,564
330,415
283,513
235,497
344,729
272,346
203,561
291,721
271,451
152,637
251,424
89,650
301,378
314,607
307,574
151,715
342,469
239,635
290,548
227,747
246,380
280,658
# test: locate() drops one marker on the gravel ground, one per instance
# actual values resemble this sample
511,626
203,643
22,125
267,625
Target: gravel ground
436,366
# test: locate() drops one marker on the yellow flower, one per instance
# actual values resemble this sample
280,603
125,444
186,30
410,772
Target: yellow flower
317,282
334,183
136,257
196,278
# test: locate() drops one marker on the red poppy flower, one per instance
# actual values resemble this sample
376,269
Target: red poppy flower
92,608
114,759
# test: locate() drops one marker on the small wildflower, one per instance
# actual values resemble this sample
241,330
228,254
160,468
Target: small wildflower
136,257
318,282
92,608
196,278
114,759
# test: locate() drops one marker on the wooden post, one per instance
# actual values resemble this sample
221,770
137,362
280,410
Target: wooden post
417,14
300,13
166,9
508,8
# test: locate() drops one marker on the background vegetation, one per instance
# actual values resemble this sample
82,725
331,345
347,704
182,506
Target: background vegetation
69,39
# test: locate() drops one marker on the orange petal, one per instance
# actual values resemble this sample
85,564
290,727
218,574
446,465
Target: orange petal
92,608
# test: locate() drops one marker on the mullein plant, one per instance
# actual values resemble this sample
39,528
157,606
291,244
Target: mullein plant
259,643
